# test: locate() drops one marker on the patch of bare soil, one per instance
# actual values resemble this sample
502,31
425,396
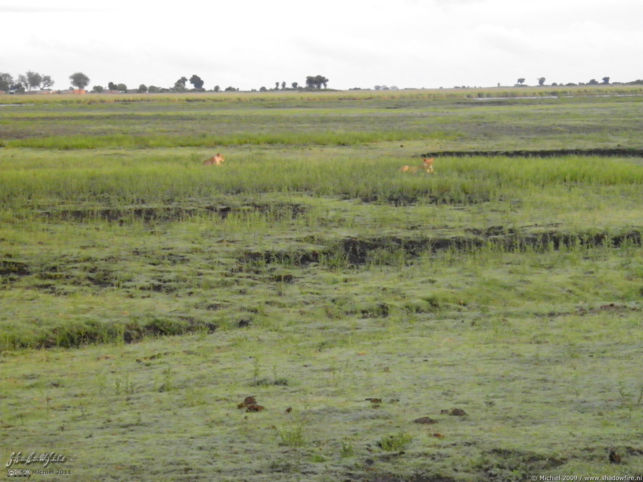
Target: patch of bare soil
402,198
9,267
614,308
170,213
506,464
389,477
359,251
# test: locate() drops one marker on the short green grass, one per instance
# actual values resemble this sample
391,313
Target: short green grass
145,295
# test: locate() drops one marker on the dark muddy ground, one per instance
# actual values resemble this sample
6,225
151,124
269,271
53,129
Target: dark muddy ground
612,152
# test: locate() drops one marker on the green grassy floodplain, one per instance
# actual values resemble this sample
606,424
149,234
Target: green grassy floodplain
143,295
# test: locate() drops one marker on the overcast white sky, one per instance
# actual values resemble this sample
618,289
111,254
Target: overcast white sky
355,43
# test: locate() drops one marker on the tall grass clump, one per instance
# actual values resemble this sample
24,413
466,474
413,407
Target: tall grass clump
297,97
461,180
289,138
542,172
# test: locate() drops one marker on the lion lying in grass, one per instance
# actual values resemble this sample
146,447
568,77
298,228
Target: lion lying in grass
427,165
214,160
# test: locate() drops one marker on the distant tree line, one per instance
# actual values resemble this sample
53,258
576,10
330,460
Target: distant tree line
181,85
25,82
541,82
33,81
386,87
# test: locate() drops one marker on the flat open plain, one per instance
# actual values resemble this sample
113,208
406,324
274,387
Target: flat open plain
479,323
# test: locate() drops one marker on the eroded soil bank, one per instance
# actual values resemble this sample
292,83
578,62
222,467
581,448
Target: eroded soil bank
606,152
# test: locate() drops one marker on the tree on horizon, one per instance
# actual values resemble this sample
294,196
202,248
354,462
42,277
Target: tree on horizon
34,80
47,82
22,83
316,82
119,87
179,85
6,81
79,80
196,81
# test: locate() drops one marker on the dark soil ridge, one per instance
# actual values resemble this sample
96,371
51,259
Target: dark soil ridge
399,198
10,267
359,251
604,152
171,213
93,332
496,464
